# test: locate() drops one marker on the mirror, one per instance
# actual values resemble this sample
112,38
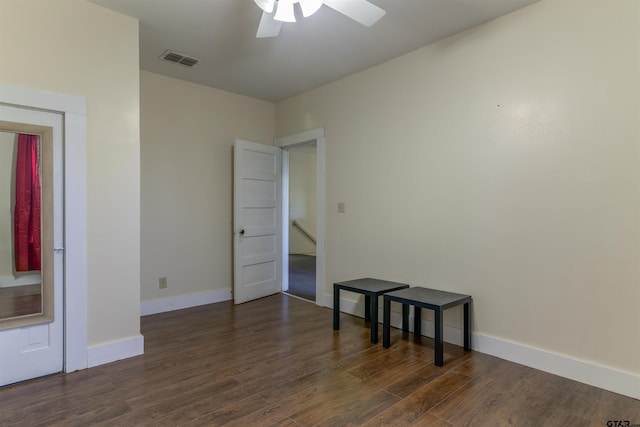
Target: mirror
25,211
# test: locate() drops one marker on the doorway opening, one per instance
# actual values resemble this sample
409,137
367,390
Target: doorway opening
301,166
303,215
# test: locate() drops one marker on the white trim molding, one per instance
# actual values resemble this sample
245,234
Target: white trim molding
117,350
163,305
300,138
625,383
611,379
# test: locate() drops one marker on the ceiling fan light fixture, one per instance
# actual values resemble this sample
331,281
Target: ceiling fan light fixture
284,11
361,11
266,5
309,7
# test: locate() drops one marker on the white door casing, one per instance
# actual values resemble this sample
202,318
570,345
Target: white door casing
36,350
257,215
73,109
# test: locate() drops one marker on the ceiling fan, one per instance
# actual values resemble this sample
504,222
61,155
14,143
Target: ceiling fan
275,12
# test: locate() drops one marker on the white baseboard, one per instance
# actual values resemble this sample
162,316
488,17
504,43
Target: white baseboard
625,383
116,350
614,380
183,301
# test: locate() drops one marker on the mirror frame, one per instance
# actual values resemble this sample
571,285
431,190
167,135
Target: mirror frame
46,205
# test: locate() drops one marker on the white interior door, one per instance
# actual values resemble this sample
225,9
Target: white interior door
36,350
257,212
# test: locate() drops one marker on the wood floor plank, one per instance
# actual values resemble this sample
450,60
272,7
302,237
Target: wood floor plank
411,382
286,423
612,406
315,398
428,420
278,362
417,404
356,412
266,403
480,401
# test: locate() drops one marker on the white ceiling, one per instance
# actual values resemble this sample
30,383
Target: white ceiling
309,53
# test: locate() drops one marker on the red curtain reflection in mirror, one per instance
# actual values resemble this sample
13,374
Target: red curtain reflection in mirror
27,209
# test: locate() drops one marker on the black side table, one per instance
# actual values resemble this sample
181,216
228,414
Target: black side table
433,299
372,289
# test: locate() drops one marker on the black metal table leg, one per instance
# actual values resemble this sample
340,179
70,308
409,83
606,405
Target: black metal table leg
417,321
386,325
467,328
336,308
374,319
367,307
438,338
405,317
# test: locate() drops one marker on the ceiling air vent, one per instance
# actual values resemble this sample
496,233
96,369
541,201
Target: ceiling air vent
179,58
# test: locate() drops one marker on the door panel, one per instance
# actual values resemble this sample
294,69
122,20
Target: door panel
32,346
257,221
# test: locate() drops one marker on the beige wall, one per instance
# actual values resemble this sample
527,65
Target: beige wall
76,48
502,162
188,132
7,144
302,197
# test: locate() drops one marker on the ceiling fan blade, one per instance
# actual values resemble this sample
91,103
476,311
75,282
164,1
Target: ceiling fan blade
266,5
309,7
268,26
359,10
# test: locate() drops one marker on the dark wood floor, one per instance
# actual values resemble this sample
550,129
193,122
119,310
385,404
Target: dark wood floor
277,362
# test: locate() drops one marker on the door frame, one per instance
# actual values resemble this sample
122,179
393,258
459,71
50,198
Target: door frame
73,110
317,136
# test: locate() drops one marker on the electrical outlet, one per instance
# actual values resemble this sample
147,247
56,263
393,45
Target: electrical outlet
340,207
162,282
